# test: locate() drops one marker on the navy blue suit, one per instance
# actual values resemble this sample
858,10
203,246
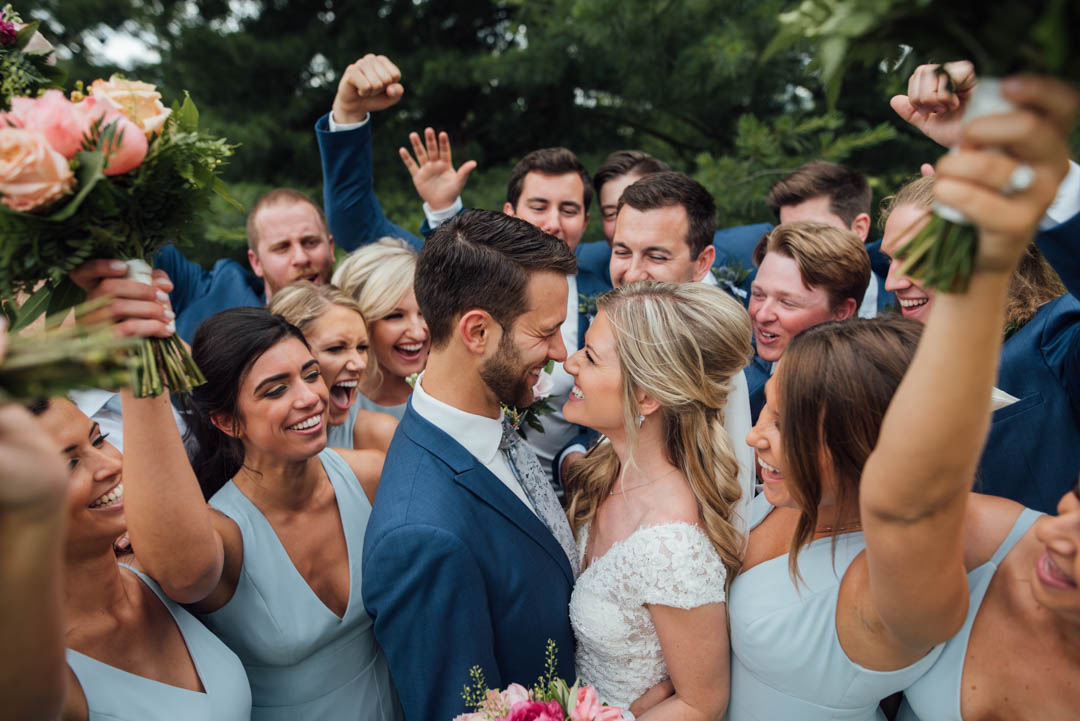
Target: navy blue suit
1033,452
757,375
353,214
459,573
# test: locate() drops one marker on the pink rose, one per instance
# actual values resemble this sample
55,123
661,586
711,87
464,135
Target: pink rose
536,711
130,150
140,102
32,174
514,694
52,115
588,705
609,713
543,387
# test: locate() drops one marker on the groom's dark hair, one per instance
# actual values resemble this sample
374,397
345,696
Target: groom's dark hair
482,259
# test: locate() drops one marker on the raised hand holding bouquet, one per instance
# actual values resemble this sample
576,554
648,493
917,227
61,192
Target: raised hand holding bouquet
106,173
1000,37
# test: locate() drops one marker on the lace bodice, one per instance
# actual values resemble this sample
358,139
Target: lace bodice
618,651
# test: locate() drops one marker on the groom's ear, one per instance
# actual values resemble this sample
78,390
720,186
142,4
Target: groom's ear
478,330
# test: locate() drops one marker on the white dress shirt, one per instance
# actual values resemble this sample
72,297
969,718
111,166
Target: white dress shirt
479,435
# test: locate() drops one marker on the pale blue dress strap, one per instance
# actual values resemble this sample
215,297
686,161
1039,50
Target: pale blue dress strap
113,694
304,661
936,696
342,436
365,403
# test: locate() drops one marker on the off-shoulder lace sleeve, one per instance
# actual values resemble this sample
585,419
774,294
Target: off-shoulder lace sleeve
673,564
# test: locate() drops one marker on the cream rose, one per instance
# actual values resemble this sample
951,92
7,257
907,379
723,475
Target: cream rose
32,174
140,102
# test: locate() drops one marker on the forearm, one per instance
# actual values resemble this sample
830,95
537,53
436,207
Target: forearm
675,708
31,598
169,523
912,473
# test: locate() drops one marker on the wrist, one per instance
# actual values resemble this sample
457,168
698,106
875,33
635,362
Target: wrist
341,116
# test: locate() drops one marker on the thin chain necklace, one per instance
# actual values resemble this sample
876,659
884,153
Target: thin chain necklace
624,489
854,525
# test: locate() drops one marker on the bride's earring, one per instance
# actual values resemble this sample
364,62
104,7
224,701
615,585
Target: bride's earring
640,420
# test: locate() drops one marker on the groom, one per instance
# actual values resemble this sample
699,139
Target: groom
468,558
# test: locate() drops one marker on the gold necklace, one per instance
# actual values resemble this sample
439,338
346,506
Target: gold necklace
624,489
854,525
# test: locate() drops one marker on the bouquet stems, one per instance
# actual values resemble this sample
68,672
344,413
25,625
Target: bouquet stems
942,254
161,362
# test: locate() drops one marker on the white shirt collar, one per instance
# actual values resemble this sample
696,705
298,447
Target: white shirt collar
709,279
479,435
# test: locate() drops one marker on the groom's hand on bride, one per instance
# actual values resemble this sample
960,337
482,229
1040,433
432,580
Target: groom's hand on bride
370,84
135,308
656,694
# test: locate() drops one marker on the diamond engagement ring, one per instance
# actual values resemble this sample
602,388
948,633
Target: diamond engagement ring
1020,179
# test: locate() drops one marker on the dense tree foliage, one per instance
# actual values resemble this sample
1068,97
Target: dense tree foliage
682,79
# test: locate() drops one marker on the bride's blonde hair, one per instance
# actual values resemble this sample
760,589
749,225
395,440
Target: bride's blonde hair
681,343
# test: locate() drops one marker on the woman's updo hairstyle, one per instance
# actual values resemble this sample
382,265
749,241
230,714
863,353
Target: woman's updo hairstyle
681,343
226,346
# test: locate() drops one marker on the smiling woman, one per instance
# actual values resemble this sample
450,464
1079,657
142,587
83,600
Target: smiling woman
279,544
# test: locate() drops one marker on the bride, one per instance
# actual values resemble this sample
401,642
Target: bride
654,506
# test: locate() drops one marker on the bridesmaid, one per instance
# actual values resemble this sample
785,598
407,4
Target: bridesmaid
380,277
272,566
334,328
855,572
133,653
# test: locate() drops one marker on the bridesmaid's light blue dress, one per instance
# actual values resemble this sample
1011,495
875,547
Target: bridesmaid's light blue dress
342,436
937,695
787,662
116,695
364,402
304,662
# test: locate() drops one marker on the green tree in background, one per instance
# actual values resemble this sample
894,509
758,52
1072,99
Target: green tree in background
681,79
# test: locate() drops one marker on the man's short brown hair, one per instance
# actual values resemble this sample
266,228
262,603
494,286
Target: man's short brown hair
829,258
279,196
483,259
548,161
664,190
847,190
626,162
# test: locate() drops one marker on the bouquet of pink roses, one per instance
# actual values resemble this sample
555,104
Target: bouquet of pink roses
551,699
107,172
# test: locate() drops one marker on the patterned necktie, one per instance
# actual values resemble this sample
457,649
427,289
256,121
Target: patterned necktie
530,474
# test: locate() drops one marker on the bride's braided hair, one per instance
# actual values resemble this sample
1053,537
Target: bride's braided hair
681,343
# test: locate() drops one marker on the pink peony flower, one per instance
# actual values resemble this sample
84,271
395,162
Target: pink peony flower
130,150
514,694
609,713
52,115
8,33
536,711
588,705
32,174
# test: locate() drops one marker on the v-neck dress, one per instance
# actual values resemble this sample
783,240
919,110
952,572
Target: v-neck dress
113,694
304,662
786,657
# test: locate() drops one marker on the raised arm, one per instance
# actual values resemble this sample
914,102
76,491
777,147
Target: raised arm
33,484
916,483
353,212
434,177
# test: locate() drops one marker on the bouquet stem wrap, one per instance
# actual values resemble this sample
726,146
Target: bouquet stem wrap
942,254
161,362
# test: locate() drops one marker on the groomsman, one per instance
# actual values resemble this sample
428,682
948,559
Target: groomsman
468,557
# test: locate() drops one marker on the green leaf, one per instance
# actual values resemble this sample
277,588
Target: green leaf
187,117
222,190
34,306
91,170
65,295
22,38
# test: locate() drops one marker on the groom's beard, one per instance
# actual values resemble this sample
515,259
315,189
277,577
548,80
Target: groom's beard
505,375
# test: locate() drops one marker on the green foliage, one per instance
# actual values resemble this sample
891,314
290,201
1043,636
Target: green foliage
24,73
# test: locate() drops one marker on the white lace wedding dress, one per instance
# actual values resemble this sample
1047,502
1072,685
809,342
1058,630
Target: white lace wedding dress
618,651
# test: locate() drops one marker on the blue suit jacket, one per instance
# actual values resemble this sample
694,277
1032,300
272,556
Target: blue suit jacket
459,573
757,375
1032,454
353,214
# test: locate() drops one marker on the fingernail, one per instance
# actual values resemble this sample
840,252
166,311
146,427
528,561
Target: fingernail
169,314
162,296
118,265
171,327
1012,85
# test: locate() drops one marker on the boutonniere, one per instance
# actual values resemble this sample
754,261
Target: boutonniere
730,276
587,304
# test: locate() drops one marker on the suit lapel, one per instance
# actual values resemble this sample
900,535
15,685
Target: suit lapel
472,475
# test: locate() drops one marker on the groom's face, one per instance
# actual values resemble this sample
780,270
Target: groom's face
529,343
